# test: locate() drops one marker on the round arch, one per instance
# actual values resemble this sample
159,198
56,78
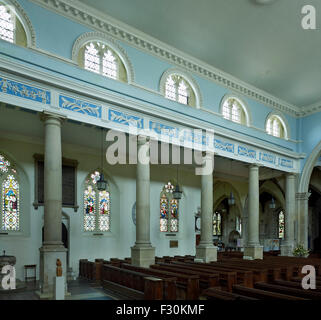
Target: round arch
221,191
24,19
248,117
308,168
283,121
102,37
194,85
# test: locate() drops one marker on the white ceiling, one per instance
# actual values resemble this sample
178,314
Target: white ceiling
263,45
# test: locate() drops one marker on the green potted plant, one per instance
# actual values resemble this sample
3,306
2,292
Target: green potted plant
299,251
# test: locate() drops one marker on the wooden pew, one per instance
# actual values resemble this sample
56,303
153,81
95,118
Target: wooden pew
187,286
307,294
206,280
217,294
294,284
258,274
244,277
138,285
169,281
262,294
272,272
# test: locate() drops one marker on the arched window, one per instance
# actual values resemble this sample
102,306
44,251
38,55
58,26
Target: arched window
96,205
168,209
178,89
217,224
12,25
234,110
275,127
98,57
281,225
10,196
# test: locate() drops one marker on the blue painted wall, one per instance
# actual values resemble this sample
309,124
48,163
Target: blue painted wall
57,34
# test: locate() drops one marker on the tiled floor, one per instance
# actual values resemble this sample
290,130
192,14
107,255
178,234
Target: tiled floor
78,289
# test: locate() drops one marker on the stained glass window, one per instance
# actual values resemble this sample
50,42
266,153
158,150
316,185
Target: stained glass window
100,59
96,205
232,110
217,224
169,208
177,89
281,225
10,196
7,24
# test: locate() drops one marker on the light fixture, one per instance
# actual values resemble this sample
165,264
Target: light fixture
272,203
231,200
177,194
102,183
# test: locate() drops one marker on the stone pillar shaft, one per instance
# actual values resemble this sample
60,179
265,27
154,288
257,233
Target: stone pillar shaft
205,251
207,210
253,222
142,253
52,247
52,181
302,205
253,249
143,194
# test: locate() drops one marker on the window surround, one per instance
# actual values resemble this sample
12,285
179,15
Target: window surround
190,81
24,20
109,42
282,120
248,118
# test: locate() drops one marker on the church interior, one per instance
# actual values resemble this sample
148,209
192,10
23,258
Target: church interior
109,113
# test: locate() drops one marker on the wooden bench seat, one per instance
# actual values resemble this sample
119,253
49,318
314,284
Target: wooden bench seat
259,274
217,294
263,294
169,292
244,277
307,294
151,287
207,279
294,284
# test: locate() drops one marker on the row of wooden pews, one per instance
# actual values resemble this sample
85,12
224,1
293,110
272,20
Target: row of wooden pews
180,278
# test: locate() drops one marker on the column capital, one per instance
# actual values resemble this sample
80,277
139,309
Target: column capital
141,139
254,166
47,115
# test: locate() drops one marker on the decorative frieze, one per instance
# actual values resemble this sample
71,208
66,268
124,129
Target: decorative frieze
80,106
24,91
246,152
125,119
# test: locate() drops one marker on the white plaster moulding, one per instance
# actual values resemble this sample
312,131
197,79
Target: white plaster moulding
94,19
100,96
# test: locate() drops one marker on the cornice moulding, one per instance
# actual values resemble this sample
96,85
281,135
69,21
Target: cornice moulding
94,19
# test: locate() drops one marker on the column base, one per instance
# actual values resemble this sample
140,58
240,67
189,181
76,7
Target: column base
142,256
253,252
206,253
286,250
48,257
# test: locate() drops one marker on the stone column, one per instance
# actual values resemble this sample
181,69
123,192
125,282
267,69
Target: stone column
52,247
206,251
302,205
142,253
288,243
253,249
